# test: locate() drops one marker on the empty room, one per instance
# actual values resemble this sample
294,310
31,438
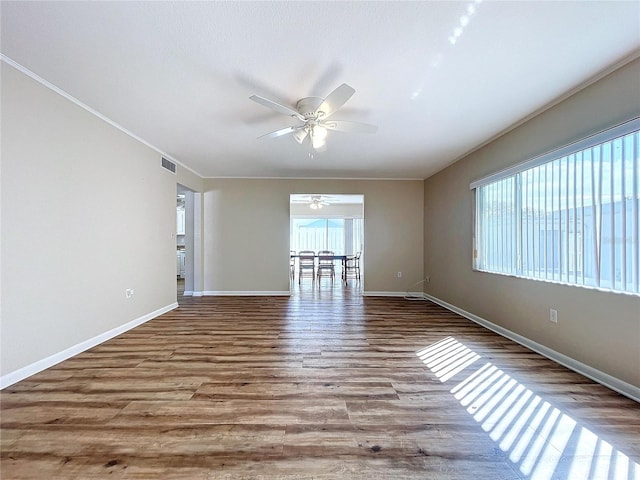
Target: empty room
320,240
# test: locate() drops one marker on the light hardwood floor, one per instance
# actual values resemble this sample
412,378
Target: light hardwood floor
325,385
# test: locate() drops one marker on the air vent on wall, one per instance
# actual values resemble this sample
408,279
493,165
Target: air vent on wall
168,165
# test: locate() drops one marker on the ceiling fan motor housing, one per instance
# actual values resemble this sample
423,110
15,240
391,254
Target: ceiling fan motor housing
307,107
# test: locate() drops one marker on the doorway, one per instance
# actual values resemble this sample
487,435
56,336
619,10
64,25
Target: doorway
333,222
184,241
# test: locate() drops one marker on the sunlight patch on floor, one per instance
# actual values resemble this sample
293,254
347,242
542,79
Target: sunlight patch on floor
447,358
540,439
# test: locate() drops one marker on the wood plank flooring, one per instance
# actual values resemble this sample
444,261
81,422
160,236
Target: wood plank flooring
323,385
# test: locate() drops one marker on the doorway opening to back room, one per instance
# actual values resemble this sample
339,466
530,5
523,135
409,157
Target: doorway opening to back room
332,227
184,241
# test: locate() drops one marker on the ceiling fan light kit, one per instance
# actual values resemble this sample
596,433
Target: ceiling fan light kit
318,136
313,113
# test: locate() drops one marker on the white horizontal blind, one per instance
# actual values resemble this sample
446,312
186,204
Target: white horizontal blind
572,219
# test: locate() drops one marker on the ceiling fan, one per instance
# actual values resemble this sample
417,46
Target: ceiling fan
316,202
314,113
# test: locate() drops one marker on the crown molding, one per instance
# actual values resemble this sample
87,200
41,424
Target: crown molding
92,111
590,81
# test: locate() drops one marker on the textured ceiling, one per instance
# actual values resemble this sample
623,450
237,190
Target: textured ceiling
437,78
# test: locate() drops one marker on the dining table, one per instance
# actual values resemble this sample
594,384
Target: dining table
342,258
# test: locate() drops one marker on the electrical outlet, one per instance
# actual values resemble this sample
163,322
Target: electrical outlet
399,274
553,315
128,293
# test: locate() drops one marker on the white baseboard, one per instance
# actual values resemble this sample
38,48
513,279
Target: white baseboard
383,294
50,361
244,293
240,293
609,381
188,293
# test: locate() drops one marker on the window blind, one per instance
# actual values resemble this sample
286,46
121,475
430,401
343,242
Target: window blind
595,139
570,216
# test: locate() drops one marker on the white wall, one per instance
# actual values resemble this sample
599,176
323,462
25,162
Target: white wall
87,212
599,329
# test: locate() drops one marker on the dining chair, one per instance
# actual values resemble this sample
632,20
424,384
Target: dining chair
326,264
292,264
306,264
353,266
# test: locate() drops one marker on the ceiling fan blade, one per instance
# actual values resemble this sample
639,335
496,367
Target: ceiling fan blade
351,127
279,133
276,106
300,135
335,100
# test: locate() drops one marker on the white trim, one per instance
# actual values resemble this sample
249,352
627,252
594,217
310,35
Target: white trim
383,179
578,88
243,293
50,361
383,294
573,147
557,282
188,293
86,107
594,374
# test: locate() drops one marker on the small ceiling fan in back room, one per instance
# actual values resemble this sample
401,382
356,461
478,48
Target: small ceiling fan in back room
316,202
314,113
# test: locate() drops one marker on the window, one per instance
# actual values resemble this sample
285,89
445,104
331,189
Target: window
570,216
340,235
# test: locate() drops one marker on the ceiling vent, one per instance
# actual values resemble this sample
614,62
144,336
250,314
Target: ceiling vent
168,165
